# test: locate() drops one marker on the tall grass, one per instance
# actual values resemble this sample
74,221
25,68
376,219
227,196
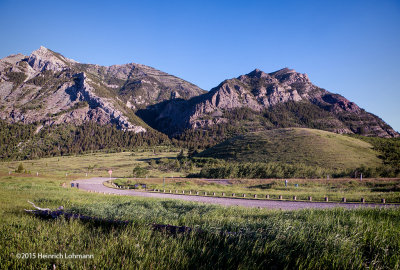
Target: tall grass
233,238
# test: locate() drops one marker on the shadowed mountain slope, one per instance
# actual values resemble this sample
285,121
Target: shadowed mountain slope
261,101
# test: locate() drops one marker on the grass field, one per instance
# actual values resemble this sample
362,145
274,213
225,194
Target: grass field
96,164
297,145
233,238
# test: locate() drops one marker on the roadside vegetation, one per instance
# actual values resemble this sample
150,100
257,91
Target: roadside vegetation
372,190
150,165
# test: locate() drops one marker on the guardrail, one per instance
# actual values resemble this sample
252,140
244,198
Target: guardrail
251,196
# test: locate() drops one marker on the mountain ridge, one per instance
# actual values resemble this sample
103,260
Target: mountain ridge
49,88
261,92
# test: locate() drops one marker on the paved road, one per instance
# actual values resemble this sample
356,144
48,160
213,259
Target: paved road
96,185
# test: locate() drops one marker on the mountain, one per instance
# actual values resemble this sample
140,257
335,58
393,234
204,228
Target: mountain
297,146
49,88
263,101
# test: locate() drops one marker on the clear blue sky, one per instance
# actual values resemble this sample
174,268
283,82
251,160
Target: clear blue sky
347,47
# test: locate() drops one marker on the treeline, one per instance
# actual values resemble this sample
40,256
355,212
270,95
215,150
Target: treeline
282,170
389,149
299,114
21,142
182,163
199,140
265,170
12,136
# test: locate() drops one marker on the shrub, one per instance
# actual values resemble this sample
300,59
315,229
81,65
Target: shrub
139,172
20,168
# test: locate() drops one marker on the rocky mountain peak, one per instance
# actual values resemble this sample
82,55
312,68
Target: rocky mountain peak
284,94
285,76
289,76
45,59
49,88
42,49
282,71
257,73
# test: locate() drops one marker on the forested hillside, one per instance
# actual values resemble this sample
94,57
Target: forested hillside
20,141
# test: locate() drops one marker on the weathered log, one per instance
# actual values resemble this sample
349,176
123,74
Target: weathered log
47,213
171,229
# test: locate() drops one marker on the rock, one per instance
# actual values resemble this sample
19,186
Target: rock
259,91
45,59
48,87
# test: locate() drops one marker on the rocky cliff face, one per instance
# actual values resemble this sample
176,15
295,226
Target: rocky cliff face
261,92
50,88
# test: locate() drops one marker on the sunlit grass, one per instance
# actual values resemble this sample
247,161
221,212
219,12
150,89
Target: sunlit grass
96,164
297,145
233,237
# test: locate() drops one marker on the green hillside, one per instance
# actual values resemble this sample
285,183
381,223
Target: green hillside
297,145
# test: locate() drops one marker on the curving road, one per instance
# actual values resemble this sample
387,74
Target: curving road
96,185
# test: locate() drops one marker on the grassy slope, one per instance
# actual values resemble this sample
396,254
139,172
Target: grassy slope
297,145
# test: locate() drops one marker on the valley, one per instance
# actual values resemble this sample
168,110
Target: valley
338,235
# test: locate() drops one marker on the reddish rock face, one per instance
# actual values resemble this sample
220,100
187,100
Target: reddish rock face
259,91
340,103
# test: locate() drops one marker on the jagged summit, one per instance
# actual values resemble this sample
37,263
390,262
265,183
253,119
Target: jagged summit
45,59
42,49
257,73
285,75
289,76
282,71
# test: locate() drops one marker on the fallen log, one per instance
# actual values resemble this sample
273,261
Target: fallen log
171,229
47,213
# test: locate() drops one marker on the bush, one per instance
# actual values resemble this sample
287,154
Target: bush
20,168
139,172
266,170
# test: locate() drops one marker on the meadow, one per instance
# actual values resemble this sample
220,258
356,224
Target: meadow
230,237
95,164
